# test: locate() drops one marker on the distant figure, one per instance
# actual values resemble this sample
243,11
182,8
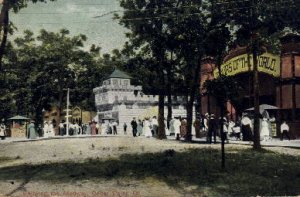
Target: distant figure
93,128
2,131
171,127
88,130
147,130
265,132
114,125
225,129
183,128
61,128
246,128
50,130
71,129
284,129
205,122
76,129
31,130
139,128
197,126
154,124
46,129
177,125
167,131
231,125
125,128
99,128
134,127
212,129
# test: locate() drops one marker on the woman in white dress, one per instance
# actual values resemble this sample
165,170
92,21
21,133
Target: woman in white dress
46,129
147,130
177,125
265,132
166,128
50,130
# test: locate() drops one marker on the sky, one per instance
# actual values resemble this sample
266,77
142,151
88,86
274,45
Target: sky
78,16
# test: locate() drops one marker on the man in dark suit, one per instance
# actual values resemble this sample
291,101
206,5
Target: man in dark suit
134,127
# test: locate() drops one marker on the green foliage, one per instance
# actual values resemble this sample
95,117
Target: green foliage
223,89
39,69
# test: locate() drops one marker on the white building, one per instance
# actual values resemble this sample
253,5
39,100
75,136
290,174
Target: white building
118,99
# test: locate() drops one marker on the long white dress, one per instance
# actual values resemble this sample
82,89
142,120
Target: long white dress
147,130
50,130
46,130
177,125
264,132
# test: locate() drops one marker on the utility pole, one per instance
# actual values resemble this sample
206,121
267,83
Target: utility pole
67,116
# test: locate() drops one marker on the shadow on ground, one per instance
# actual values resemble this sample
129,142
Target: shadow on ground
248,172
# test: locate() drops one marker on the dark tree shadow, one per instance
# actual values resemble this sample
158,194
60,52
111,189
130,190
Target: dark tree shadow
248,173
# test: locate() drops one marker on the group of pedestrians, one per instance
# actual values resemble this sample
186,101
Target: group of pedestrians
147,127
74,128
242,129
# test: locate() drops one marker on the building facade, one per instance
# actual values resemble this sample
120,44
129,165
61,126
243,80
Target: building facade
279,82
119,99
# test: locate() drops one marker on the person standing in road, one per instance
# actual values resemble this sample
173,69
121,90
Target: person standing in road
284,129
154,124
31,130
61,128
212,129
147,130
2,131
139,128
197,125
177,125
134,127
125,128
114,125
93,128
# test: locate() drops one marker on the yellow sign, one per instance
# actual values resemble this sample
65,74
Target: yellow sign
267,63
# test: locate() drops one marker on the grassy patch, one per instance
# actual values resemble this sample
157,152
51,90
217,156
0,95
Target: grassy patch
248,173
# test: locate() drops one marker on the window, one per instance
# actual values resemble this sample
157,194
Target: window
126,82
116,98
125,98
115,82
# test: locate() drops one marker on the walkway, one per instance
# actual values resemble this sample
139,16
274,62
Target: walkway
273,142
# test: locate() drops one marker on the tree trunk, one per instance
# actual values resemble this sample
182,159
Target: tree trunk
195,84
4,22
256,140
169,92
161,118
222,109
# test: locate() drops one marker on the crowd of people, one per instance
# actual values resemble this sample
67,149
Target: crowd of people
206,126
210,127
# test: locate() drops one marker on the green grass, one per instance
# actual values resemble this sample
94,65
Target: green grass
248,173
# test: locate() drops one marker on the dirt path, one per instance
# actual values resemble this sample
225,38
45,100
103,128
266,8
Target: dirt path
78,150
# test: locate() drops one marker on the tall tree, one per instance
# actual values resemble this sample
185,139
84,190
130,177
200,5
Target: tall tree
46,65
146,20
8,5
